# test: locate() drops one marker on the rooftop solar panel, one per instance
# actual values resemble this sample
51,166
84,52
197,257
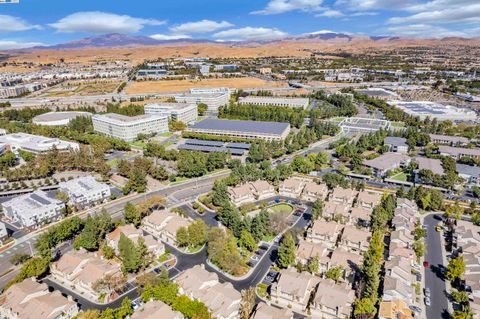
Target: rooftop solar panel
209,149
204,142
244,146
39,199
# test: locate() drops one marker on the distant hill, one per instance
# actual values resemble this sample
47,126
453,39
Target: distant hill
116,40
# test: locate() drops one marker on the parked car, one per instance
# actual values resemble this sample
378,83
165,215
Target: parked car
427,301
427,292
426,264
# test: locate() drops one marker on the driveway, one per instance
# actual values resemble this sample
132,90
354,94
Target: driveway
434,255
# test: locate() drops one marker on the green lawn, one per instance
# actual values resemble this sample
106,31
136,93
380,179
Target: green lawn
196,249
113,163
281,208
166,134
140,144
268,238
400,177
163,258
262,290
397,124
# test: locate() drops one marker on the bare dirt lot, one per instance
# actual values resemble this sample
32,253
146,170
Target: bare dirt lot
185,85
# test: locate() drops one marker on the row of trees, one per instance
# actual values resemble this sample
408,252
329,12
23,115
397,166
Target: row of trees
373,259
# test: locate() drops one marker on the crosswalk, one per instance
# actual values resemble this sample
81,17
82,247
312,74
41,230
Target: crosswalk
15,248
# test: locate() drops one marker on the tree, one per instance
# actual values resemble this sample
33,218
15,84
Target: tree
34,267
476,191
460,297
247,241
454,211
19,258
365,308
109,283
62,196
334,273
132,215
197,233
223,251
191,308
130,255
419,247
455,268
317,209
286,251
107,251
182,237
322,158
302,164
313,265
247,303
202,108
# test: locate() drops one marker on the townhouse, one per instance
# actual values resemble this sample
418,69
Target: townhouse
264,311
402,238
344,196
349,262
332,300
400,268
313,191
262,189
292,187
368,200
394,309
307,250
156,309
241,194
386,162
360,216
154,246
336,211
221,299
81,270
29,299
356,240
394,288
324,232
164,225
293,289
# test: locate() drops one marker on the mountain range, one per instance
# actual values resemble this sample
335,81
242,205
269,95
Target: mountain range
122,40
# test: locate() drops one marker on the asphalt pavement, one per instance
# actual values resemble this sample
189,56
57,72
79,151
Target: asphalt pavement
433,280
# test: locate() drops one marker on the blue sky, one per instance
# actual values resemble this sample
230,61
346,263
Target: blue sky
34,22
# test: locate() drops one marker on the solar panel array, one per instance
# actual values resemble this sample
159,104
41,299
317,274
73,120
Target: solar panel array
237,149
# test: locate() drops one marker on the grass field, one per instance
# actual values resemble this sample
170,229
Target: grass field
400,177
82,89
281,208
185,85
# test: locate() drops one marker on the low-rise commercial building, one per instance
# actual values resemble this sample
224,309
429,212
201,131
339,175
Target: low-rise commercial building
302,103
396,144
386,162
85,191
36,144
449,140
221,299
471,174
128,128
270,131
58,118
34,209
29,299
178,112
458,152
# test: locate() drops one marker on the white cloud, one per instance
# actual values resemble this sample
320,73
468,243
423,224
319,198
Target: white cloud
322,32
424,31
12,44
249,33
162,37
203,26
14,24
457,14
102,22
330,14
362,5
282,6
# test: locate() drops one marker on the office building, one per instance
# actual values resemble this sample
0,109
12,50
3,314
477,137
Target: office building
84,191
128,128
212,97
36,144
178,112
34,209
275,101
3,232
379,93
270,131
58,118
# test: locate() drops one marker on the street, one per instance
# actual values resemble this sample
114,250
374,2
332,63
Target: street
434,255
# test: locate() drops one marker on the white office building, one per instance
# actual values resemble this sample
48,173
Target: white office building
212,97
275,101
36,144
441,112
128,128
34,209
84,191
179,112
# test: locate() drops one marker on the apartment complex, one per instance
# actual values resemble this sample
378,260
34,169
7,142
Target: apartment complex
221,299
85,191
30,299
270,131
36,144
156,309
459,152
301,103
34,209
178,112
250,192
134,234
128,128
